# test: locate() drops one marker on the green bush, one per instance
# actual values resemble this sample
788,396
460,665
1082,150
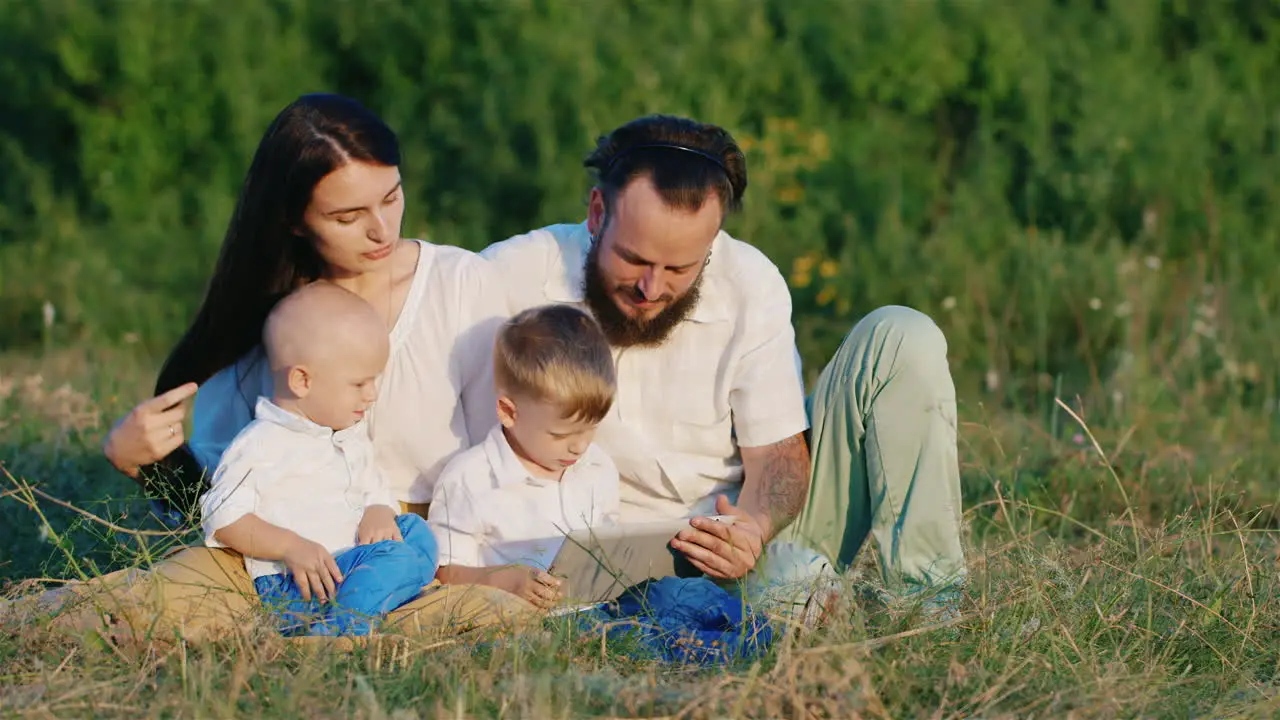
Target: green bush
1080,193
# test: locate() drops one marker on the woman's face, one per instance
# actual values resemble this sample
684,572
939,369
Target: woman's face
354,217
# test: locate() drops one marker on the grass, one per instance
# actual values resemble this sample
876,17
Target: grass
1125,564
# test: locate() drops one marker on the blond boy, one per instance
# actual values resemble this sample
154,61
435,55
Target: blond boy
501,509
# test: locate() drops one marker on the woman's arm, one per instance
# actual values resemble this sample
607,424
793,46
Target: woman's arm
150,445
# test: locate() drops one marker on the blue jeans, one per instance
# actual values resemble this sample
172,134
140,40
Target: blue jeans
376,579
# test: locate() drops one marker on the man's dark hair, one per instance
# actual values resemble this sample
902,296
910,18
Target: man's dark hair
684,159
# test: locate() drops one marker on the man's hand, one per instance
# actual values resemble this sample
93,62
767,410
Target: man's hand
774,489
313,569
377,524
723,551
532,584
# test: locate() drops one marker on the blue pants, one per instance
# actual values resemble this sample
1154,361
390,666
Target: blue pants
376,579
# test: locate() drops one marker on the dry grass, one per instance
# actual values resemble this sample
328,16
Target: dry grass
1136,578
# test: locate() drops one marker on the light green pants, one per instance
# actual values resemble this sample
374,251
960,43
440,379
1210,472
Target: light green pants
883,443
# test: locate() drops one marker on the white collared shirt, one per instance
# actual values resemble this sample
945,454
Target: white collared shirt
297,475
489,510
728,376
435,396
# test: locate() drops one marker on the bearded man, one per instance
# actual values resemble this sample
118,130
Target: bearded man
711,414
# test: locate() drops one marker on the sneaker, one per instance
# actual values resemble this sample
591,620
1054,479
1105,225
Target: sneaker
793,584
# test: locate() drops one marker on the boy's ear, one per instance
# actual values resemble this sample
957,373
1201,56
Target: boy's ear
299,380
506,411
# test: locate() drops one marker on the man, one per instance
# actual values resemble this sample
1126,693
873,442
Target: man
710,415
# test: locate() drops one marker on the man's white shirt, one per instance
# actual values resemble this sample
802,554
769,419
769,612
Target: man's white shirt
488,509
297,475
728,376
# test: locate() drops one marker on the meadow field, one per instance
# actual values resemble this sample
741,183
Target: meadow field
1083,195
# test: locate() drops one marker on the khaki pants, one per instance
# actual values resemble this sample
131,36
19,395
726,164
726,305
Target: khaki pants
199,594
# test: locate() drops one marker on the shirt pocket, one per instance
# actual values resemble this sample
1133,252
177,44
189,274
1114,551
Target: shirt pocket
693,393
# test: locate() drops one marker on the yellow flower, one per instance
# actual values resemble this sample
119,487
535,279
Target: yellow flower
829,268
819,147
804,263
791,194
801,279
827,295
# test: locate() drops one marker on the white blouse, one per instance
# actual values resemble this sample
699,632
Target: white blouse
435,396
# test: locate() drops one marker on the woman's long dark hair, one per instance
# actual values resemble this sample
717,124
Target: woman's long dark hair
262,257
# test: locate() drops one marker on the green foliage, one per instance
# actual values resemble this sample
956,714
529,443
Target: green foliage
1081,194
993,164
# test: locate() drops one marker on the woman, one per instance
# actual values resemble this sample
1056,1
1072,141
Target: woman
322,200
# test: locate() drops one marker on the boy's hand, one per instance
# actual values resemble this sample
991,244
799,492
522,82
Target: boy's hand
313,569
532,584
377,524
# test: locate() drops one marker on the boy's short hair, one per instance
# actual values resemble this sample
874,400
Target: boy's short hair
556,354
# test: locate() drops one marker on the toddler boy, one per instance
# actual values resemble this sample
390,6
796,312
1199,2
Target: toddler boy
299,493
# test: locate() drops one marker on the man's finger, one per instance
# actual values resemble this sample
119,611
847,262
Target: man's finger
166,400
724,507
703,567
714,543
704,558
332,566
721,530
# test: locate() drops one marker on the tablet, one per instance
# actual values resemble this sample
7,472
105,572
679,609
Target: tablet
597,564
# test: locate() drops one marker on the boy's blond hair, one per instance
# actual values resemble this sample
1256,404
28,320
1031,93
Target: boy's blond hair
556,354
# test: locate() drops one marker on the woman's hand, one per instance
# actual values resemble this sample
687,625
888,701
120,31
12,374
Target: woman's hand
149,432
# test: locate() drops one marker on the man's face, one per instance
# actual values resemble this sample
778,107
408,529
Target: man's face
645,266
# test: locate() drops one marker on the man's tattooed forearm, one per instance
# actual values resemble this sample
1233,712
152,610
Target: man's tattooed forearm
784,482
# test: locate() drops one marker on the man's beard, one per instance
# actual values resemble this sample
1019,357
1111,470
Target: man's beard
624,331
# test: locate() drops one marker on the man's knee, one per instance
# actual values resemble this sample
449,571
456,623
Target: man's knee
915,338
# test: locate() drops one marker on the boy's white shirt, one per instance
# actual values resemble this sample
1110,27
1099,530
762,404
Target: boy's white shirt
297,475
488,509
